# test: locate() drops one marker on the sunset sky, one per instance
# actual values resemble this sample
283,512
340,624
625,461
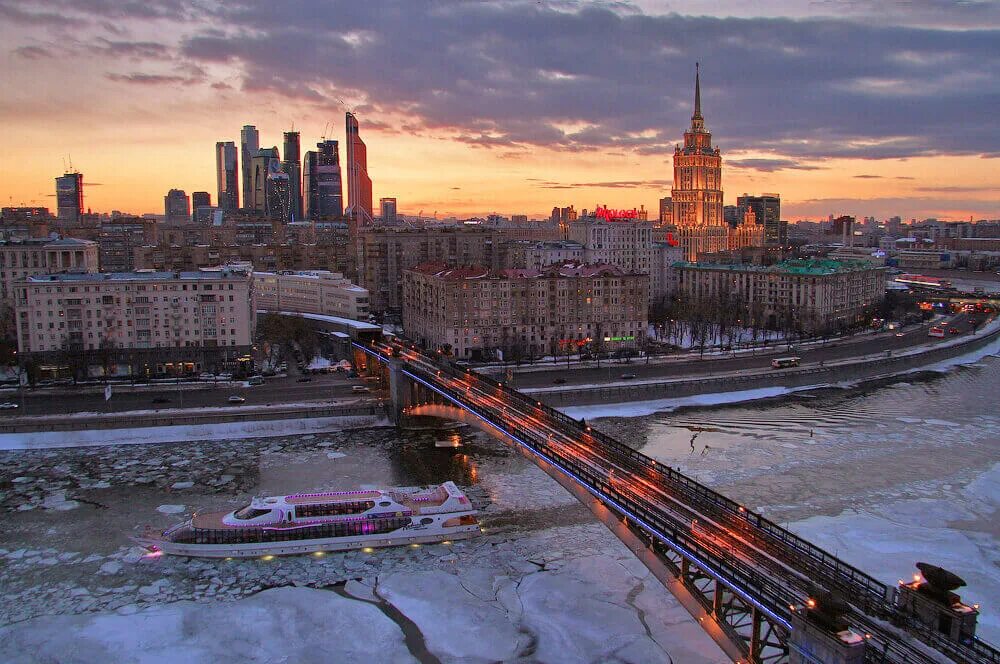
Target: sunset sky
855,107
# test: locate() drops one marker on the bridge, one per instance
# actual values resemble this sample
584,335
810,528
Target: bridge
760,591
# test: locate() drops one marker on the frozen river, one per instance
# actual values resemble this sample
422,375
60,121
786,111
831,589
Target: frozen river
882,476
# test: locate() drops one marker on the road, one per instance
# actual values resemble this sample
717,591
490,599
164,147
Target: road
49,401
841,349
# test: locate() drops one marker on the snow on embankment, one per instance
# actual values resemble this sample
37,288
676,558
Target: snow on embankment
177,433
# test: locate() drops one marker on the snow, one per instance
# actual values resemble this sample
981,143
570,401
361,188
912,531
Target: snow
182,433
885,539
170,509
642,408
277,625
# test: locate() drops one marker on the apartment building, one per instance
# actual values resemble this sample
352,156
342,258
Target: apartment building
20,259
311,292
139,323
473,312
817,294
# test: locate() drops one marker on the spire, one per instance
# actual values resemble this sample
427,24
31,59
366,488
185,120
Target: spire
697,92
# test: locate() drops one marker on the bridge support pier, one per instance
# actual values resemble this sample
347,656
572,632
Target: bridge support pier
814,643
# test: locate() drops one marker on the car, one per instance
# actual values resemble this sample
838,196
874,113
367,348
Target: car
303,379
8,405
954,330
559,381
206,376
359,388
256,380
900,334
161,400
628,376
225,376
236,399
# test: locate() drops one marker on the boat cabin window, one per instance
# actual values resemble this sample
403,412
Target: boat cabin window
313,510
250,513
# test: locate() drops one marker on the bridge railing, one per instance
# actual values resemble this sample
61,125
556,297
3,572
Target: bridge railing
722,564
874,594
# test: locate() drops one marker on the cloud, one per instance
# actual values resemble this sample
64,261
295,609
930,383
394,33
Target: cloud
32,52
847,80
869,177
958,189
911,206
147,79
622,184
770,165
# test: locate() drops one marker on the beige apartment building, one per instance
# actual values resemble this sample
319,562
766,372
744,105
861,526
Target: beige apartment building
818,294
20,259
140,323
524,313
311,292
626,244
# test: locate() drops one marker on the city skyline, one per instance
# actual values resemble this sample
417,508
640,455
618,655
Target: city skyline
824,110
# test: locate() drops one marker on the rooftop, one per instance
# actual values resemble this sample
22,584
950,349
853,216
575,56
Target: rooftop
467,272
81,277
801,266
49,242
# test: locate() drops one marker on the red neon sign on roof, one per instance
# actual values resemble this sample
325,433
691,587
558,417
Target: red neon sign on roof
615,215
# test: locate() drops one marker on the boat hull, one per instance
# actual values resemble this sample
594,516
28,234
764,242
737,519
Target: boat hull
293,548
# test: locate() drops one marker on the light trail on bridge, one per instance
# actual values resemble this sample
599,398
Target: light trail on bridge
768,567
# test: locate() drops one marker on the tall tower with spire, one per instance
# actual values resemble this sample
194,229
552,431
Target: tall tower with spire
697,191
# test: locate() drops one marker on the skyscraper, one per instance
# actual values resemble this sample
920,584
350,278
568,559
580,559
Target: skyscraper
359,185
177,206
262,164
226,176
767,210
388,209
249,144
697,193
292,167
69,196
323,181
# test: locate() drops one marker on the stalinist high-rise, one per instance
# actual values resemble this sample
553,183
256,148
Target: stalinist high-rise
697,192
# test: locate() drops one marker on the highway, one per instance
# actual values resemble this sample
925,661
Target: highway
51,401
811,353
770,567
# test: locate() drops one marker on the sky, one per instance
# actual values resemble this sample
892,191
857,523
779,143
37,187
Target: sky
858,107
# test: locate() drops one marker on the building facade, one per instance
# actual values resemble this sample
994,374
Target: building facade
176,207
473,312
359,185
249,145
227,176
21,259
138,323
291,166
322,181
812,295
388,209
69,196
384,253
311,292
767,210
696,196
626,243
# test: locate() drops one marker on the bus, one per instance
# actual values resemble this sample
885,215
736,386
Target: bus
935,332
785,362
920,281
